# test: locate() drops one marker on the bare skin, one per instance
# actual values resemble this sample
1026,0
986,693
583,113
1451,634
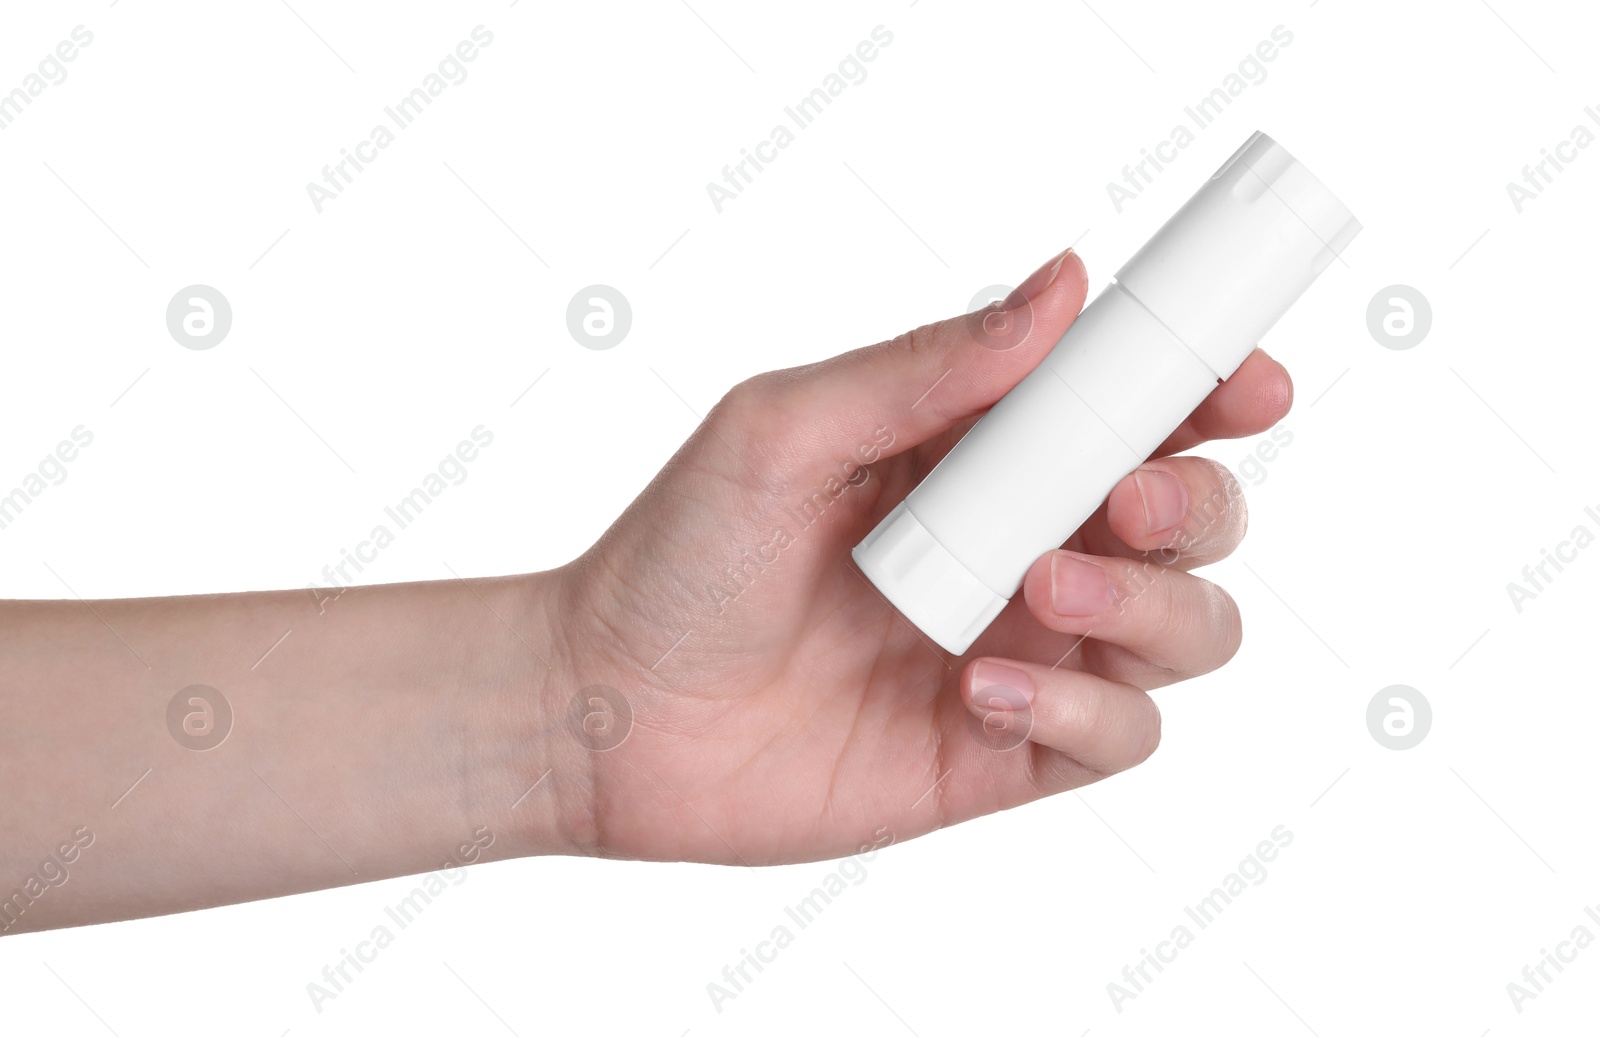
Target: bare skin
712,681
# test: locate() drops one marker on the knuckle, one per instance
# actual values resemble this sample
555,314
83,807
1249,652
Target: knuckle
1146,735
1175,622
756,408
1222,622
1095,730
1203,624
920,341
1186,613
1118,731
749,397
759,432
1138,583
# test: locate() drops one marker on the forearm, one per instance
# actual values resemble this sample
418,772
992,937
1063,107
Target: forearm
371,735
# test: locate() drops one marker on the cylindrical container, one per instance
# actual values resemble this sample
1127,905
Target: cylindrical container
1178,318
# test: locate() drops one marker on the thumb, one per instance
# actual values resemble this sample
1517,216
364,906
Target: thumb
921,383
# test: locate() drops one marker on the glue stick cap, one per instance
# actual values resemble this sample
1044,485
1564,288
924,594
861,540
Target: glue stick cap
1228,264
927,583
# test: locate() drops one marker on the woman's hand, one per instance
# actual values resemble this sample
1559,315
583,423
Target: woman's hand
712,681
737,692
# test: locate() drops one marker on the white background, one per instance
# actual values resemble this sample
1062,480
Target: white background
368,339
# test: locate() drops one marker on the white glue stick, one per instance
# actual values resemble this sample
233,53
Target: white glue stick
1179,317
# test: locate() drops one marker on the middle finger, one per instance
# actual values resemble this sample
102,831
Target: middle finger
1159,625
1183,512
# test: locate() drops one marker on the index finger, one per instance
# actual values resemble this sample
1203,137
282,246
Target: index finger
1254,399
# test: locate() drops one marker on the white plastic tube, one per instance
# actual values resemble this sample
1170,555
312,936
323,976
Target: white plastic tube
1179,317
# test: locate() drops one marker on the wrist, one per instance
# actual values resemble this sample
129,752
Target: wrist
536,776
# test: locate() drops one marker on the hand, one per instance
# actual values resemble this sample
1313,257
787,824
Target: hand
781,709
712,681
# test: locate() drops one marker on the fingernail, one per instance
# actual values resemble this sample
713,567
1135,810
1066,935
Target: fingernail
1000,687
1166,499
1035,283
1077,587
